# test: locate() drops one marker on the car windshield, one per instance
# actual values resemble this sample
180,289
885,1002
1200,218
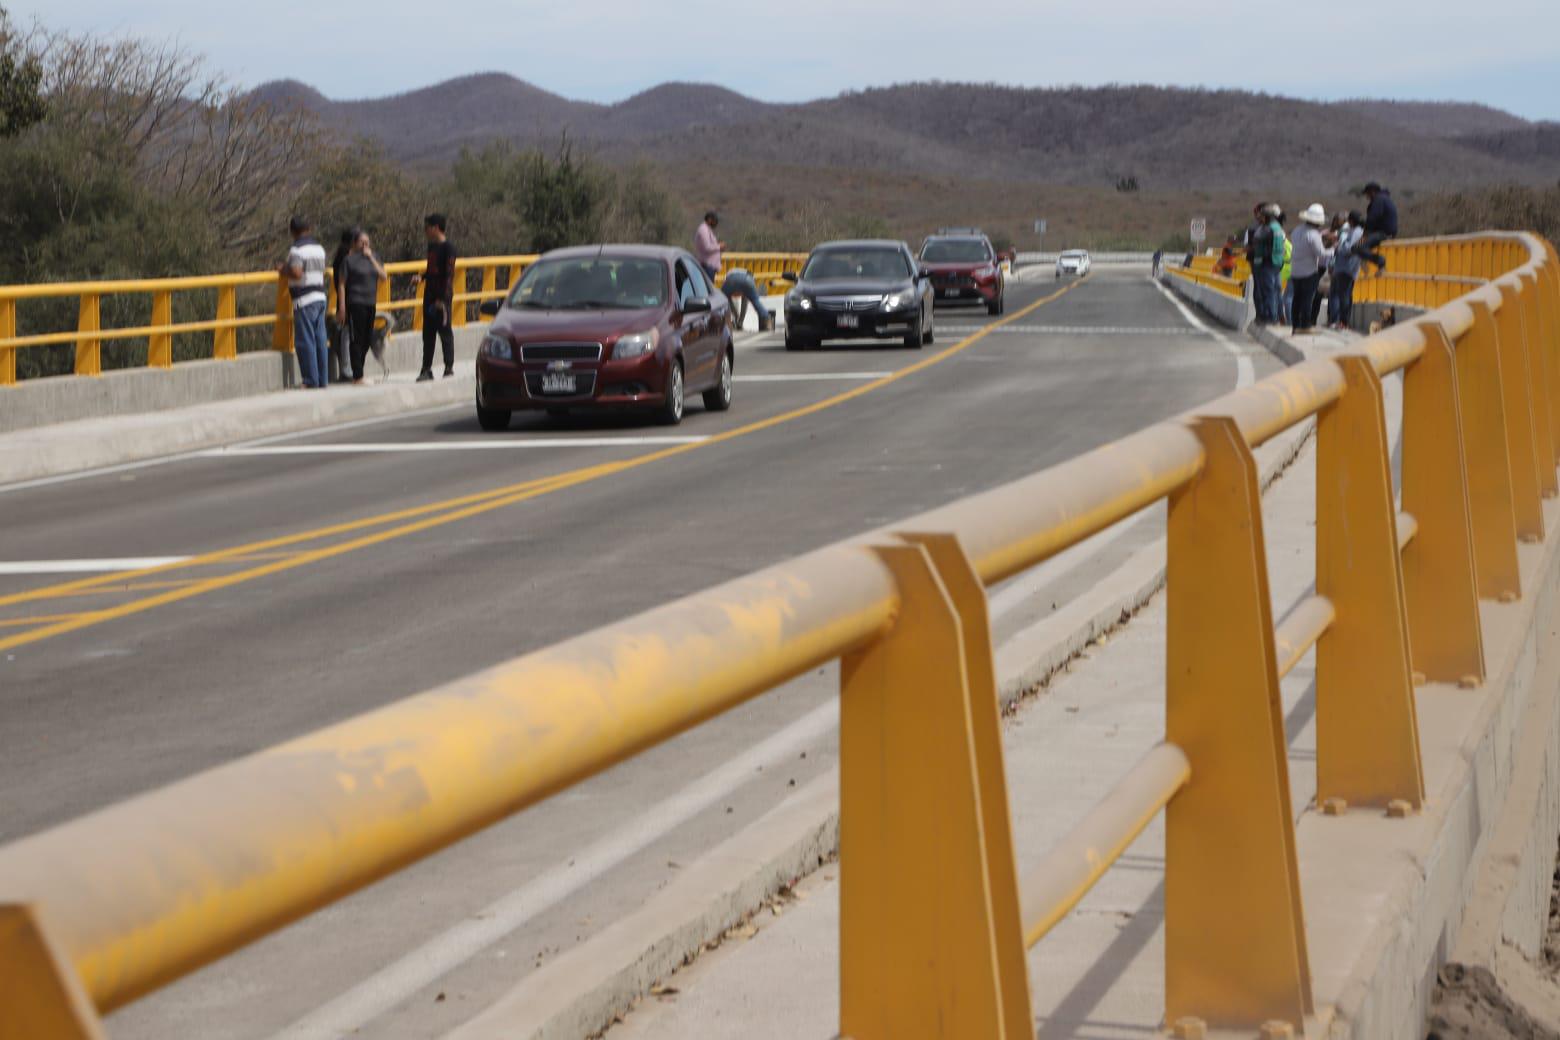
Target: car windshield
591,283
862,262
954,251
1072,254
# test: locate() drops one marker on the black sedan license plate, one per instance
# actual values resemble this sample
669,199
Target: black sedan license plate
849,321
558,383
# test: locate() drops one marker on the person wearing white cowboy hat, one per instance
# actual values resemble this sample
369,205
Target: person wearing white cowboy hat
1306,267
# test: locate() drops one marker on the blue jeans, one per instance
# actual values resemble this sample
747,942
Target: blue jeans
1268,293
311,344
1340,303
1286,300
741,284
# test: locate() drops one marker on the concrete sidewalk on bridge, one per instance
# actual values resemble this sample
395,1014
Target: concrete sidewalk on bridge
57,449
1382,899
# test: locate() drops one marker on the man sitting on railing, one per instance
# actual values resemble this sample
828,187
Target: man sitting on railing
1381,223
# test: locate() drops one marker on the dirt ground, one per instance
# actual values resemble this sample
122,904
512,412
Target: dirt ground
1470,1005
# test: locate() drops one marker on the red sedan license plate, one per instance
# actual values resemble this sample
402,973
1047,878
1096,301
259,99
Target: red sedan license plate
849,321
558,382
950,292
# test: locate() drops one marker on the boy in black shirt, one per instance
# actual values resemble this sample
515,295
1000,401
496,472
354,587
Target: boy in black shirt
438,297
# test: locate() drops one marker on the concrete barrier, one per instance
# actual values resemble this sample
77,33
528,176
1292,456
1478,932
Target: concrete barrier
1237,314
137,391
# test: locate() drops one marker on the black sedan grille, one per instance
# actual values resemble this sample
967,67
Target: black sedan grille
849,303
561,352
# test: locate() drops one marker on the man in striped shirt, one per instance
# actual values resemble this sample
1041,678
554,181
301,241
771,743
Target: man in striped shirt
304,272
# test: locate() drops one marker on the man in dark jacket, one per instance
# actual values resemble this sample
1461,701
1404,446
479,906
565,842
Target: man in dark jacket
1381,223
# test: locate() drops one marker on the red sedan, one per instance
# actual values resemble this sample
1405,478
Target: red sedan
606,327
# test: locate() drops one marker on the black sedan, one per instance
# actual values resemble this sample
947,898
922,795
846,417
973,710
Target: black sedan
871,289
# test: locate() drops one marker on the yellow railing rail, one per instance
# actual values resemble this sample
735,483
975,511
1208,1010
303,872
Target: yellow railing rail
933,922
1228,286
268,305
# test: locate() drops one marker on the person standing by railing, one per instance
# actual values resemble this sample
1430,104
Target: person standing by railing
338,273
707,247
438,296
1308,262
1267,263
1345,269
304,272
363,272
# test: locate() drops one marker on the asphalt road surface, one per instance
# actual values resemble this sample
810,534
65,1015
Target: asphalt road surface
270,589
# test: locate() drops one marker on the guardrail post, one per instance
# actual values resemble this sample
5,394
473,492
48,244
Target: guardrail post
159,345
1526,487
7,331
1440,582
282,332
458,308
489,282
41,998
224,340
1235,948
1367,734
969,599
89,349
1490,497
918,938
1549,337
1529,306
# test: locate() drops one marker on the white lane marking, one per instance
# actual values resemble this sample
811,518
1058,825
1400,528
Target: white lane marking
129,563
804,377
390,985
317,431
1245,373
1079,330
496,444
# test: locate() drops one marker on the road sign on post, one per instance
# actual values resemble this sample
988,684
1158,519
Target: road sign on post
1040,232
1199,231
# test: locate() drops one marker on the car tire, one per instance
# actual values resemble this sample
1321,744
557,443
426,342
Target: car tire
799,341
493,420
998,305
917,335
931,327
718,397
671,411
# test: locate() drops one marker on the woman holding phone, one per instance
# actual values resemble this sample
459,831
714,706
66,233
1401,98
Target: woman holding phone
363,272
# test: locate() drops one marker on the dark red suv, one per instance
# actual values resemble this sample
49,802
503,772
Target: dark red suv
606,327
965,267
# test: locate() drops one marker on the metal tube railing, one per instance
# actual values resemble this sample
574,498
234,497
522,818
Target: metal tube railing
1300,629
88,336
1060,880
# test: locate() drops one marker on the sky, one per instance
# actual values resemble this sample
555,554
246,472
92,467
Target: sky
1504,53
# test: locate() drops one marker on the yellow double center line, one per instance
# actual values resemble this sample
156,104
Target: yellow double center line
405,522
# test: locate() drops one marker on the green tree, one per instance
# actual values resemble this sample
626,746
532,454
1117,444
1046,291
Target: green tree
21,78
565,199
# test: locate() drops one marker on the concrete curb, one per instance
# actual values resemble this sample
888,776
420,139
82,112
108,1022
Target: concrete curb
584,990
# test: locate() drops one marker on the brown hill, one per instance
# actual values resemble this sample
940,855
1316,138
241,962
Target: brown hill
1437,118
1166,138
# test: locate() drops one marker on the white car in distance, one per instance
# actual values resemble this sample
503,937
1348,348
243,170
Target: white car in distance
1072,261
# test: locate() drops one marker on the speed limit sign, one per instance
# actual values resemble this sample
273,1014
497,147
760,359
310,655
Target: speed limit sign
1200,230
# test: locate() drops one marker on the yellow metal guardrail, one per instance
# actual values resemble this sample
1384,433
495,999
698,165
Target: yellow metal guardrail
269,303
933,921
1227,286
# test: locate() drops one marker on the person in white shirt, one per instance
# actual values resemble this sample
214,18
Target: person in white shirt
304,273
1307,263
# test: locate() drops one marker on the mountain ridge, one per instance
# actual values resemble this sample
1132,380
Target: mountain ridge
1163,137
